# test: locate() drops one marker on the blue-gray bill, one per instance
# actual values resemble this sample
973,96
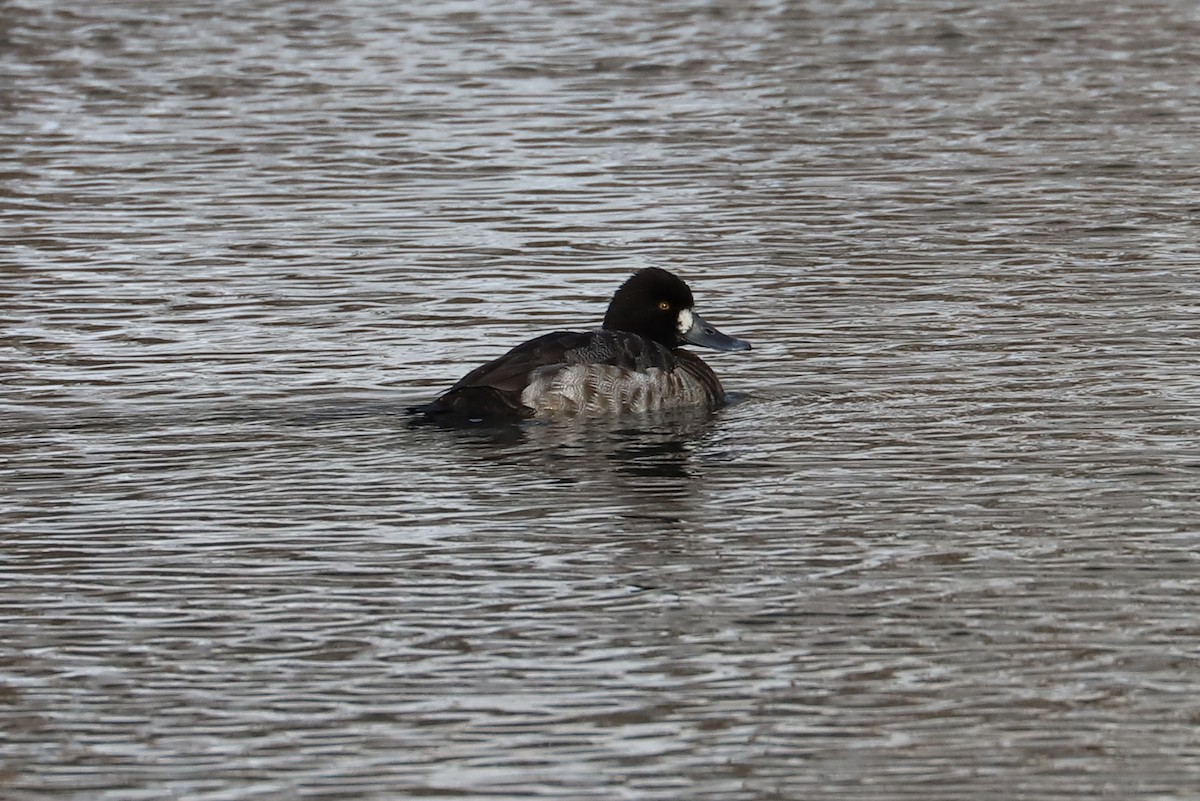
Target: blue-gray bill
704,335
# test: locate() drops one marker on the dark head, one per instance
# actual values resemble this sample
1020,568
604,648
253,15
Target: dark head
657,305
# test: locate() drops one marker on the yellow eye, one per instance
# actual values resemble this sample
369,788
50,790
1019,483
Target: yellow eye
664,306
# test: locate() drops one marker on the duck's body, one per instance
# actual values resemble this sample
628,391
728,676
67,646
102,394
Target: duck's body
632,364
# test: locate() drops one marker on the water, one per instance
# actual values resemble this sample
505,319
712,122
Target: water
942,544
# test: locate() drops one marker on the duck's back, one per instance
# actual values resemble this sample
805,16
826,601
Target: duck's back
569,372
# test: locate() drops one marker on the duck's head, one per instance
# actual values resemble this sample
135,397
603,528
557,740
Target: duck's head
658,305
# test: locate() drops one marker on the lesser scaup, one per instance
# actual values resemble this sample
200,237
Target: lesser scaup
631,364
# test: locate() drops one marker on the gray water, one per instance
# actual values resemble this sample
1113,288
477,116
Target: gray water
942,544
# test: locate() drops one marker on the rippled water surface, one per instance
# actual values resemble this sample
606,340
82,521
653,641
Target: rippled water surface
941,545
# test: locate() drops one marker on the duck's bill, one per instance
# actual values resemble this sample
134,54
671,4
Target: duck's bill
703,335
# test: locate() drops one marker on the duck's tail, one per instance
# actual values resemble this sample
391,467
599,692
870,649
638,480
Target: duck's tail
472,404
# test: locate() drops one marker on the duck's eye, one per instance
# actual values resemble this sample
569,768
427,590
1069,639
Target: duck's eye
664,306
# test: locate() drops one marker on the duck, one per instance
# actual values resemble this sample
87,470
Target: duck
633,363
